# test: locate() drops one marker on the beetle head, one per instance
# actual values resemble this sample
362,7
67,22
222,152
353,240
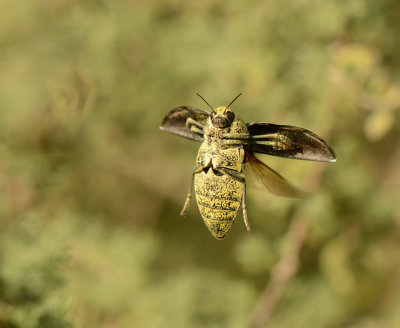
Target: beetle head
222,117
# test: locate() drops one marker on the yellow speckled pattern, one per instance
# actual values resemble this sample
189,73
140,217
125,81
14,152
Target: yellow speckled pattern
219,199
219,195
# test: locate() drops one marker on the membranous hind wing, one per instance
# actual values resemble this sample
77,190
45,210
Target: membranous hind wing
288,141
267,178
175,122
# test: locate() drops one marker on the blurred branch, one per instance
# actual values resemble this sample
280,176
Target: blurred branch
287,266
282,273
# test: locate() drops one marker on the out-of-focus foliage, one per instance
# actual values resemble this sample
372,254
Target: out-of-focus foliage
90,189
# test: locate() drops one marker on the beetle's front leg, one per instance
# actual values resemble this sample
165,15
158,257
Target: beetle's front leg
237,136
195,126
276,140
233,142
233,139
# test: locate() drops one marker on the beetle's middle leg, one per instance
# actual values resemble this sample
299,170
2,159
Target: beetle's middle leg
198,169
206,162
239,176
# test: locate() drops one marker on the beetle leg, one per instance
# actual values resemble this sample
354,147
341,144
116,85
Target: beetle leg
237,136
189,194
245,136
244,207
239,177
191,122
238,142
276,144
195,129
195,126
232,173
272,136
230,142
276,140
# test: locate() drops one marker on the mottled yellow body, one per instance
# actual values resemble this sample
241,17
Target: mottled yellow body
219,181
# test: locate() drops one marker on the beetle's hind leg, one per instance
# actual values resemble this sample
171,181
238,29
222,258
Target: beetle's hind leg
239,177
189,194
244,207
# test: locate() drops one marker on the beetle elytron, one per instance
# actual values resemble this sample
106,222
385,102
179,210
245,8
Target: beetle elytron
228,144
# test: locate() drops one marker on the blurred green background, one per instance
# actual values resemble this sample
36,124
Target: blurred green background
91,189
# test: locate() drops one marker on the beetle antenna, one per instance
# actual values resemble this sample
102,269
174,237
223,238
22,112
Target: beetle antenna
205,101
234,100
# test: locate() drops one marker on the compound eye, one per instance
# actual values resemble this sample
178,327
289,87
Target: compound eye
230,116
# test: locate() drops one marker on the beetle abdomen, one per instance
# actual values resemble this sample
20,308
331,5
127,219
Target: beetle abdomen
218,198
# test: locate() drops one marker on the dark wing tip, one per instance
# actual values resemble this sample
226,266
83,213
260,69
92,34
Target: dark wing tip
332,155
325,153
171,116
332,158
314,147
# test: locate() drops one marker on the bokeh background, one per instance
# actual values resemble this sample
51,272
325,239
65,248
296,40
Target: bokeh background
91,189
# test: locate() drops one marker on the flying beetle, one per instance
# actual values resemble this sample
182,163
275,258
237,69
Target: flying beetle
228,147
